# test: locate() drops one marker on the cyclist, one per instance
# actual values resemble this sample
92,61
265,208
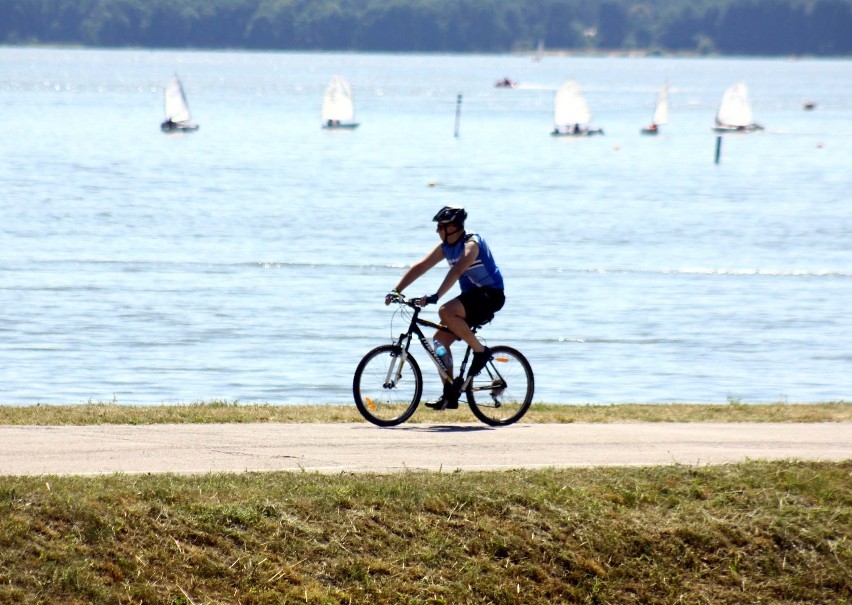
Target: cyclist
473,267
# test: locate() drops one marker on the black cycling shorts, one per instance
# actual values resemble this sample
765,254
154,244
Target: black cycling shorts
480,304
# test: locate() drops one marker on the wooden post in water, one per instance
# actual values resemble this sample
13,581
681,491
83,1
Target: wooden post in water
718,148
458,114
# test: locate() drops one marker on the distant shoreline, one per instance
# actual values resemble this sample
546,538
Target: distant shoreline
554,53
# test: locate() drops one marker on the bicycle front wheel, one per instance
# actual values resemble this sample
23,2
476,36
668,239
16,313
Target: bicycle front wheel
502,392
387,389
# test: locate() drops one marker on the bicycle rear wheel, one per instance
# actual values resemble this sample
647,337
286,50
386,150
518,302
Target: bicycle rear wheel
502,392
387,389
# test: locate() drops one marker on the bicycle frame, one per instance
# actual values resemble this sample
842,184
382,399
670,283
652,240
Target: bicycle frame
404,343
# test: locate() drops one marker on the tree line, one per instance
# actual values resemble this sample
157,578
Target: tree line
744,27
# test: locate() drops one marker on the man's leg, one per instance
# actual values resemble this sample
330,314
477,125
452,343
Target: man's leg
450,398
447,339
453,315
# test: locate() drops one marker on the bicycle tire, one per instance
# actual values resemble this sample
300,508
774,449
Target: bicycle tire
379,403
504,388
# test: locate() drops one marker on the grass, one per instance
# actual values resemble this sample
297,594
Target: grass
756,532
221,411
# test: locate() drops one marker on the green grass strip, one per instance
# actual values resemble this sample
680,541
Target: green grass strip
755,532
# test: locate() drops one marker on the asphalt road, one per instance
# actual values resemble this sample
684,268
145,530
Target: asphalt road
333,448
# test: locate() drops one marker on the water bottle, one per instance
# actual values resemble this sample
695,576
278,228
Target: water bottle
442,352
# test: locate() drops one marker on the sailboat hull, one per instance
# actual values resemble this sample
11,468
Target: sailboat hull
350,126
582,133
178,127
650,132
724,129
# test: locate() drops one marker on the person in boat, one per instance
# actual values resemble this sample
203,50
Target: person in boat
169,124
473,267
576,129
652,128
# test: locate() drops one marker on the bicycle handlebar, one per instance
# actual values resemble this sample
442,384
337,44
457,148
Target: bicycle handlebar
400,299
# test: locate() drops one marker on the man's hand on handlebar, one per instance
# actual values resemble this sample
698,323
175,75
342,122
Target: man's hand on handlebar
422,301
393,296
427,299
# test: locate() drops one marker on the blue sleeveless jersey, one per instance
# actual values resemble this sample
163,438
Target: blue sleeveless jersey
483,273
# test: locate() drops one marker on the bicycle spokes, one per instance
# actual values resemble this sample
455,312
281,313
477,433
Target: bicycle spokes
502,392
387,386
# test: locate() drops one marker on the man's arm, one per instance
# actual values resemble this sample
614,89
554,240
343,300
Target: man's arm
420,267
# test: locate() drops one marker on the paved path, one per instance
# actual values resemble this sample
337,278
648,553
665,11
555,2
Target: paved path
331,448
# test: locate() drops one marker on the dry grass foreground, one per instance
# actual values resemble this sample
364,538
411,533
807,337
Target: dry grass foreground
756,532
221,411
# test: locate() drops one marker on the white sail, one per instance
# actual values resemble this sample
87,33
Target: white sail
337,105
177,109
661,111
735,109
539,51
569,106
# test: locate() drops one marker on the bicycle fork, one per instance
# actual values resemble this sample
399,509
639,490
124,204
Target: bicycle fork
394,374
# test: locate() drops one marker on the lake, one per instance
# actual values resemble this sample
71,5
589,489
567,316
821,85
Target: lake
248,261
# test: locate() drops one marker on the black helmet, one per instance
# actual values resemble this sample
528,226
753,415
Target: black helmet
447,214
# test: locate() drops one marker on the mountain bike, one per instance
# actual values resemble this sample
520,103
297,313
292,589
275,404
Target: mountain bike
388,382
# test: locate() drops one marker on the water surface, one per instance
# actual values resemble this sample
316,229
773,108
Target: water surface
248,261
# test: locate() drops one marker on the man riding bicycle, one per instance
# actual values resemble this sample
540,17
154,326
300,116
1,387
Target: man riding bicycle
473,267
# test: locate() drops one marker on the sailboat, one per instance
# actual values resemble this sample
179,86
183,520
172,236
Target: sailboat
734,114
539,51
338,110
571,115
177,109
661,111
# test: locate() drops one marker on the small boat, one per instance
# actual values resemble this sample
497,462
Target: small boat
571,115
734,114
661,112
338,109
177,109
506,83
809,105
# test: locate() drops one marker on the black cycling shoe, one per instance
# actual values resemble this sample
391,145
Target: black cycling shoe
479,361
448,401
